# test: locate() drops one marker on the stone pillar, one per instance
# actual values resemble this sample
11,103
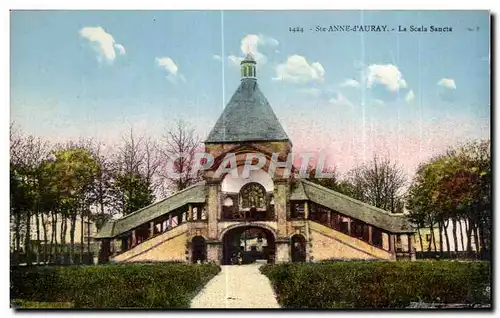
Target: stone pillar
134,238
385,241
151,229
282,251
213,208
104,251
280,206
392,244
169,225
370,236
306,210
213,252
190,213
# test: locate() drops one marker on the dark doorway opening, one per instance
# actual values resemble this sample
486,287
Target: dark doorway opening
248,243
298,248
199,249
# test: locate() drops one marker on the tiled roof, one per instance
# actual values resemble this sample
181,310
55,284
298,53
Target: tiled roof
247,117
395,223
193,194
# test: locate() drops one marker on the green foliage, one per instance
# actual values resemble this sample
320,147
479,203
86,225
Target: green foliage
135,191
113,286
455,185
358,284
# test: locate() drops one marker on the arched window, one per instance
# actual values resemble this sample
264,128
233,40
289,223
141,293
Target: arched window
252,195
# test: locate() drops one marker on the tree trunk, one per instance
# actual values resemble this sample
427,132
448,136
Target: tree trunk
454,233
72,237
44,227
446,236
27,242
482,239
440,228
81,237
17,231
468,230
88,238
56,245
64,228
420,239
38,244
433,239
461,226
476,238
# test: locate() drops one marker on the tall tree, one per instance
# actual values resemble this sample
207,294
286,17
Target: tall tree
456,186
74,171
380,183
180,145
135,171
27,153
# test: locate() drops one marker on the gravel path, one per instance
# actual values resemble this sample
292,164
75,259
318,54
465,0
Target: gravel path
236,286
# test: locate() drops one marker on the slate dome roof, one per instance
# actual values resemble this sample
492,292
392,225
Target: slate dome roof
247,117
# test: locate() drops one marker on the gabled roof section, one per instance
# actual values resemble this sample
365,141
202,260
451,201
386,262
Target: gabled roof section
247,117
395,223
297,192
192,194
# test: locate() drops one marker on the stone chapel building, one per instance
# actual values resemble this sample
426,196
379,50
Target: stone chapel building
298,220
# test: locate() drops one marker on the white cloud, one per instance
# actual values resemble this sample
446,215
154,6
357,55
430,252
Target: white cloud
251,44
409,96
448,83
387,75
102,42
217,57
296,69
168,64
120,48
378,102
340,100
349,83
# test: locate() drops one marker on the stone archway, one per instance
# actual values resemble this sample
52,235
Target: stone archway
198,249
298,248
252,241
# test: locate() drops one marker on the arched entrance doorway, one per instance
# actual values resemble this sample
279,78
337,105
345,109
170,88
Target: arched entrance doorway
298,248
252,242
199,249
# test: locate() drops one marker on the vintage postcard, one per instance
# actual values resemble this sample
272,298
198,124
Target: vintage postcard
250,159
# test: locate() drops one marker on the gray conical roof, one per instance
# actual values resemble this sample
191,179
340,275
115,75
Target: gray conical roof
249,58
247,117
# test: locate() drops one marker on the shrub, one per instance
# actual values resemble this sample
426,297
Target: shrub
378,284
113,286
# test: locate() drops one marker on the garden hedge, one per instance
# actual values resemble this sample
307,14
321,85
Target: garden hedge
357,284
113,285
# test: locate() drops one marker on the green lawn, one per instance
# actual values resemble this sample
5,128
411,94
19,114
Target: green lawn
360,284
157,285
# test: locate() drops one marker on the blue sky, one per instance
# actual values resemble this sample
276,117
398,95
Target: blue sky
409,95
